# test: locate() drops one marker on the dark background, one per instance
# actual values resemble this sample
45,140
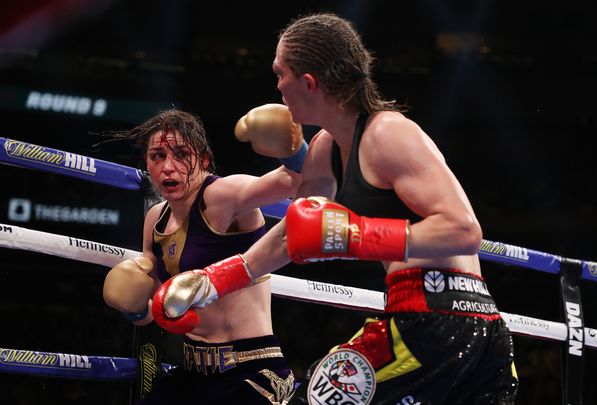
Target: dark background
506,89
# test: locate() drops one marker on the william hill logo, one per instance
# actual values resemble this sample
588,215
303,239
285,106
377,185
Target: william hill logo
47,156
504,250
41,359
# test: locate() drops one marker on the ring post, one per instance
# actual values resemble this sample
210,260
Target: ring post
572,357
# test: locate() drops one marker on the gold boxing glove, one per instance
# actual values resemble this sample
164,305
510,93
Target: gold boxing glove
128,287
272,133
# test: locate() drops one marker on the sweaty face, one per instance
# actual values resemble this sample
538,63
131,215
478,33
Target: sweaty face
172,165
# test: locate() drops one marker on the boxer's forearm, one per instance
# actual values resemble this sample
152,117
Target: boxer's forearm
269,253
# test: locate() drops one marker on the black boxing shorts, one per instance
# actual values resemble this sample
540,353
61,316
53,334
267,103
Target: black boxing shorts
441,341
247,371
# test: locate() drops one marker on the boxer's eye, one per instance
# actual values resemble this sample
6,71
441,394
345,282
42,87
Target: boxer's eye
181,153
156,156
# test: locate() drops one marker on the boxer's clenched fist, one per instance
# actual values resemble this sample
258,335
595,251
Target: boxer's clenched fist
272,133
128,286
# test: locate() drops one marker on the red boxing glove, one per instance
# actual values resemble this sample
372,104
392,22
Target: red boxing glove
172,302
320,229
179,325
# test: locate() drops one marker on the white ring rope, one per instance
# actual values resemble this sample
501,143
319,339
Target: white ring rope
15,237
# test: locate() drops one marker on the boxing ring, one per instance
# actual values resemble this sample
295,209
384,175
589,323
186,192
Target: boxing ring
572,332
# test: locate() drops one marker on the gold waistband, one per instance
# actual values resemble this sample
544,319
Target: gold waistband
222,358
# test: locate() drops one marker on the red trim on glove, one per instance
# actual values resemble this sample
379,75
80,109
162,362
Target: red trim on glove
229,275
382,239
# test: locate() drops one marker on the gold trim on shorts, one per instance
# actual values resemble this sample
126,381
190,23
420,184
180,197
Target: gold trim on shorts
214,359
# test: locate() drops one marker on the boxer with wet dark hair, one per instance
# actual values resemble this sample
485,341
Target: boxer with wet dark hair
375,187
233,355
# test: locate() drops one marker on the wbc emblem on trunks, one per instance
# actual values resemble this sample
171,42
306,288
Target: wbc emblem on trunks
344,376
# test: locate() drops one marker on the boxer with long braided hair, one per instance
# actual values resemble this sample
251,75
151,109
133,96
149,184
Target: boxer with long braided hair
375,187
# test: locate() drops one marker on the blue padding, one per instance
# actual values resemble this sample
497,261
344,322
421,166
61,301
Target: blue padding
277,210
70,164
15,361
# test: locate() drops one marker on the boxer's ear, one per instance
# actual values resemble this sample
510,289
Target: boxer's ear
311,82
